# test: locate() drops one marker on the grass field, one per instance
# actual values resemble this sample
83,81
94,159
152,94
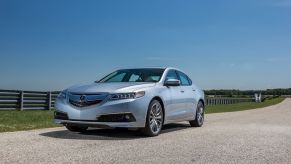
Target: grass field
242,106
27,120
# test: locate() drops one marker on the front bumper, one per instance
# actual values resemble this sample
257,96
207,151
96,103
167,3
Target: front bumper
90,116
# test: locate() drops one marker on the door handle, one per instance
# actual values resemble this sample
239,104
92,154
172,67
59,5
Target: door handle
182,91
193,90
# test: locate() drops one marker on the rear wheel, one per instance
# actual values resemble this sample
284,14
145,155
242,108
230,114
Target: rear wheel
154,120
199,118
76,128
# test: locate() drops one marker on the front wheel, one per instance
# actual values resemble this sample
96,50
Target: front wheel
199,118
76,128
154,120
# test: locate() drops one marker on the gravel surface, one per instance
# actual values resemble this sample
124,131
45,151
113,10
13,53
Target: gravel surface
253,136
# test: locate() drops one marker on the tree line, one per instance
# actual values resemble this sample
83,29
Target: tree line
234,92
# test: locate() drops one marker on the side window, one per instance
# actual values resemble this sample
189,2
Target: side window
190,81
184,79
172,75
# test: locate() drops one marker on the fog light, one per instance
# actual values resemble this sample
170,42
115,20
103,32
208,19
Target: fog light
127,117
120,117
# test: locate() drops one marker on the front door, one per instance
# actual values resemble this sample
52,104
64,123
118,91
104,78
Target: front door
177,105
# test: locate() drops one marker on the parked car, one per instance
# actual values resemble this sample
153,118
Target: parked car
142,98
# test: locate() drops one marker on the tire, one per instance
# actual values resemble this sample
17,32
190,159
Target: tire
76,128
199,117
154,119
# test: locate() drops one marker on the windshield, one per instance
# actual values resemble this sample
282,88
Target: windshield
134,75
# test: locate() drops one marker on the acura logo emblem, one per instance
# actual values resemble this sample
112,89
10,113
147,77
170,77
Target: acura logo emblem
83,98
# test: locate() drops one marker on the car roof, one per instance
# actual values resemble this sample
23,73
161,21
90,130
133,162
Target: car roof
144,68
166,68
151,68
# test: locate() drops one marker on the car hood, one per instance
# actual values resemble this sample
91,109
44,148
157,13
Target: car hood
109,87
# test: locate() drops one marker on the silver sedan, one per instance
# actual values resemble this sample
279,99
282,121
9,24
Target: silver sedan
145,99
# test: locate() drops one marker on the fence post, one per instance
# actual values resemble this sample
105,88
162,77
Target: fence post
21,100
49,100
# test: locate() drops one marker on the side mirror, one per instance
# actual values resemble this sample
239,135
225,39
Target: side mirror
172,82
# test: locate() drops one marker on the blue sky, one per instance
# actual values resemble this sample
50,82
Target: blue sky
50,45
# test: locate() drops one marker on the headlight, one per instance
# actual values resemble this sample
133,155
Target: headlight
63,94
131,95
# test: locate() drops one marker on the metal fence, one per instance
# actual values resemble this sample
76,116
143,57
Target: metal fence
227,100
34,100
27,100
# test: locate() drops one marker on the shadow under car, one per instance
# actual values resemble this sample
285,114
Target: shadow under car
110,134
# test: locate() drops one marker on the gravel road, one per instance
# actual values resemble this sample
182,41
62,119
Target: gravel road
254,136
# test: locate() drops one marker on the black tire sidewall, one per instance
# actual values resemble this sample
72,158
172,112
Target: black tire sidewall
195,123
198,106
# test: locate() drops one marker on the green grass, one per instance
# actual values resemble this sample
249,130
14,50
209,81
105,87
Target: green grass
242,106
25,120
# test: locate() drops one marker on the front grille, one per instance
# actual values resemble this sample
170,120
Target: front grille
84,100
60,115
86,103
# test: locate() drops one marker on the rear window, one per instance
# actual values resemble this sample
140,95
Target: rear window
184,79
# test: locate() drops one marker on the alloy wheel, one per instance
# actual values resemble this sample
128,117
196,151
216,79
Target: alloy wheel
200,115
156,117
